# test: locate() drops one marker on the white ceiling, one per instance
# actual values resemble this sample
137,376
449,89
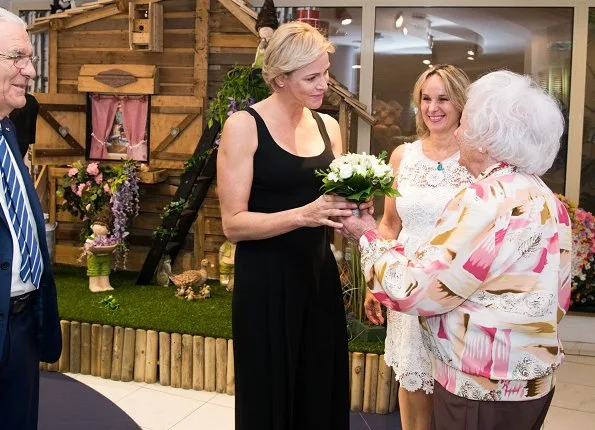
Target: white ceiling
496,30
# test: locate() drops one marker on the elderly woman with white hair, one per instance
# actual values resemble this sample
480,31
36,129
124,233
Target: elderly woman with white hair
492,281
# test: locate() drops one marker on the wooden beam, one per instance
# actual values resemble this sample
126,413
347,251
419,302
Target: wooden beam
77,148
63,108
201,54
92,15
53,62
171,156
56,152
122,6
244,8
176,109
233,40
181,127
248,20
41,186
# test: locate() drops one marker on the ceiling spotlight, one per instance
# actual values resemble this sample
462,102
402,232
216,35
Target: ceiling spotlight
405,31
470,58
344,16
426,62
399,21
470,52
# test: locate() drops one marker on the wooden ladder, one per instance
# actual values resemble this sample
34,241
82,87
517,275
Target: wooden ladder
194,184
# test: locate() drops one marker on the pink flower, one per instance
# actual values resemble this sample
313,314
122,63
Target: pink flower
73,188
92,169
106,188
79,191
73,172
99,178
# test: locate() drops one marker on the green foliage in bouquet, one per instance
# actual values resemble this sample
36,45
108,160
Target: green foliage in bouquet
358,177
243,86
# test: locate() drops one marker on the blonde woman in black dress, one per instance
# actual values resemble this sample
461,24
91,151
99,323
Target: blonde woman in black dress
290,341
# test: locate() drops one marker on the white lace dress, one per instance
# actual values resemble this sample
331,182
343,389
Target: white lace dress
425,190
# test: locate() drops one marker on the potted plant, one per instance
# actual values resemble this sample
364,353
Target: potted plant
87,189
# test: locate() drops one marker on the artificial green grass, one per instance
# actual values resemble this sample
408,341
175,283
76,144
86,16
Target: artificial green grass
153,307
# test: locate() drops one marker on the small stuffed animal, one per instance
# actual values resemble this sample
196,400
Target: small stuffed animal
163,271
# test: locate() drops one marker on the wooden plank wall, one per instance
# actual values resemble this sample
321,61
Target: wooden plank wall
105,41
230,43
208,232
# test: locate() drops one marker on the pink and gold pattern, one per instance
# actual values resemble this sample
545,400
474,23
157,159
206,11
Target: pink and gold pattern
492,283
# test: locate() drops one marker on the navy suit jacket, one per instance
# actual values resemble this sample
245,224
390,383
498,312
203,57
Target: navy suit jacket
46,306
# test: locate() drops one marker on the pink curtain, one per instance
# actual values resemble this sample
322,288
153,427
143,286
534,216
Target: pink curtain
134,121
103,110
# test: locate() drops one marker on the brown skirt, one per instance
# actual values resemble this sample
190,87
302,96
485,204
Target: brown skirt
452,412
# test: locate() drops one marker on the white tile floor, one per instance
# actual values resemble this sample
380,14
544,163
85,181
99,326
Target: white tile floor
155,407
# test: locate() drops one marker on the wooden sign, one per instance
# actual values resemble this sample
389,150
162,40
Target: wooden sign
115,78
118,79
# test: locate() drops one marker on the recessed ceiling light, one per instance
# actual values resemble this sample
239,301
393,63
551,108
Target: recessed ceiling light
426,62
356,66
430,65
470,52
346,21
470,58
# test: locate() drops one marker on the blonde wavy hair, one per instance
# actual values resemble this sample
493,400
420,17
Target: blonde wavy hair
293,46
455,83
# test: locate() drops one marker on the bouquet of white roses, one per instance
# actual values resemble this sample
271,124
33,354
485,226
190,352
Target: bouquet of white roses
358,177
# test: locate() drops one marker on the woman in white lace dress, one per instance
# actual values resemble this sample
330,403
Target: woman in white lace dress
428,175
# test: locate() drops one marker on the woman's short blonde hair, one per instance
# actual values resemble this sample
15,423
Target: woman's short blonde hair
293,46
455,83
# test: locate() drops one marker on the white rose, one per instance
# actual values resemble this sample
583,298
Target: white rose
360,170
379,171
332,177
346,171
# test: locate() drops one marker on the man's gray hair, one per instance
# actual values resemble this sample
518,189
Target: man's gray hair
6,15
515,120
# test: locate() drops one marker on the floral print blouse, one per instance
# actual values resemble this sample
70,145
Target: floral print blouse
491,285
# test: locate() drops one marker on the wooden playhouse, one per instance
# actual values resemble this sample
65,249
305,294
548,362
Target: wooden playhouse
174,53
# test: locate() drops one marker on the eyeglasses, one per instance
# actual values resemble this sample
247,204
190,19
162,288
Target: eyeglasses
21,62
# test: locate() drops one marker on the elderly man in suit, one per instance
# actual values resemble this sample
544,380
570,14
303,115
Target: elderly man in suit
29,324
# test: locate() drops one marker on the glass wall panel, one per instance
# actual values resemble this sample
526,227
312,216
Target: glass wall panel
532,41
344,29
587,195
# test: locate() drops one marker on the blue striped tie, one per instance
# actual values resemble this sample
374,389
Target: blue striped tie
19,216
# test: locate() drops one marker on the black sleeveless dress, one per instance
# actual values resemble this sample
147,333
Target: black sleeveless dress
289,329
